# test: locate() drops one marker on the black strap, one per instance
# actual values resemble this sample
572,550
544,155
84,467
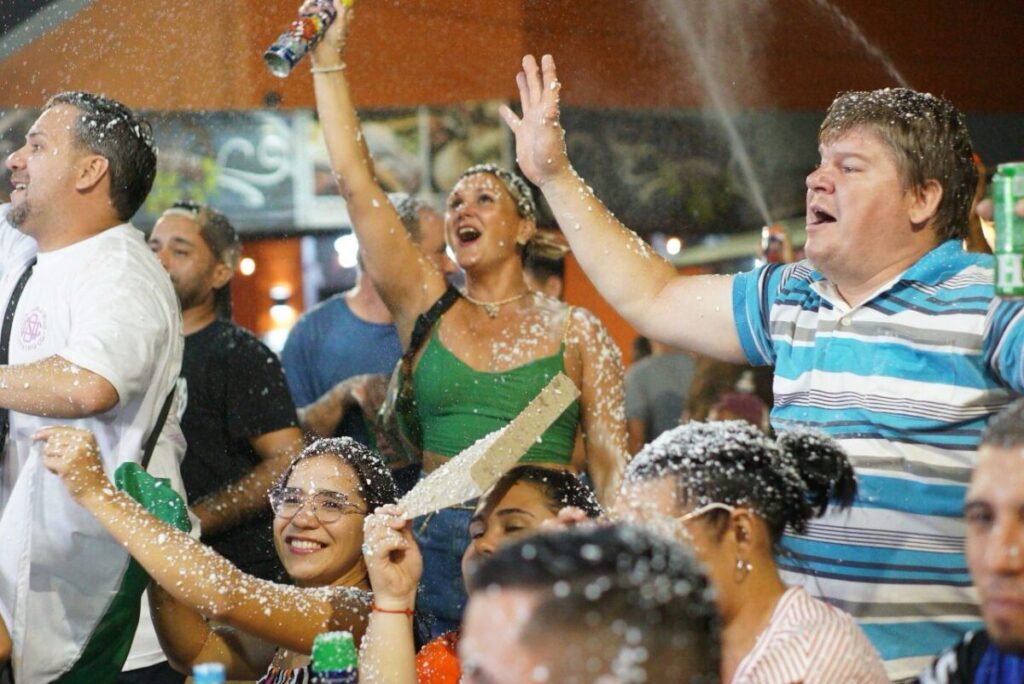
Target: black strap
5,344
147,451
426,320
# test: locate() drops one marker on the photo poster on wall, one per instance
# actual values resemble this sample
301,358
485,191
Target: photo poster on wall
418,151
268,171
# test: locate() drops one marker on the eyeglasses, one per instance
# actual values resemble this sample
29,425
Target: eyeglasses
328,506
707,508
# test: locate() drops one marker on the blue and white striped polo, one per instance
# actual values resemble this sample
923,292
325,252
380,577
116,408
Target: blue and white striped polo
906,381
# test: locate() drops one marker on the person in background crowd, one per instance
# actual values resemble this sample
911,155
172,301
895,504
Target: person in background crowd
239,421
730,492
641,348
994,509
319,504
887,337
496,346
92,335
544,263
656,387
590,604
516,505
714,379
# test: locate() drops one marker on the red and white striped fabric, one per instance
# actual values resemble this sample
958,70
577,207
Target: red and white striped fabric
810,641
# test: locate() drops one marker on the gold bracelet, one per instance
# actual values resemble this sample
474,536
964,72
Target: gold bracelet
327,69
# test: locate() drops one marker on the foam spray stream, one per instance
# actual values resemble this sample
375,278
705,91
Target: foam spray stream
851,27
683,17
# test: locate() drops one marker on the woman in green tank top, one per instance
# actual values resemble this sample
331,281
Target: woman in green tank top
490,352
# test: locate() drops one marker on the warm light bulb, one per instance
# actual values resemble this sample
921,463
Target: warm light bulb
247,266
282,314
673,245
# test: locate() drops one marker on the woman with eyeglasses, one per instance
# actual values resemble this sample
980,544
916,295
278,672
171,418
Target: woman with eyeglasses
320,503
730,491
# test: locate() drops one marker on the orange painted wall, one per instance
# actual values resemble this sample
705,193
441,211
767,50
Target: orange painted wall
197,54
277,262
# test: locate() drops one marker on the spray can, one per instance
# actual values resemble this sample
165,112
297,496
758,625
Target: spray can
334,659
304,33
1007,189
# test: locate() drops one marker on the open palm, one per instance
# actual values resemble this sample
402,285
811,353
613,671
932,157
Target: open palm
540,140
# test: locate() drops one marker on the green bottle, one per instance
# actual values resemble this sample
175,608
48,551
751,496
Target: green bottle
334,659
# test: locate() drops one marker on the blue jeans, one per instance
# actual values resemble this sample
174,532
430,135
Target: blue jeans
443,537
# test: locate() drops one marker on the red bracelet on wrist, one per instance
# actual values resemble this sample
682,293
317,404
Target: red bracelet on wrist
399,611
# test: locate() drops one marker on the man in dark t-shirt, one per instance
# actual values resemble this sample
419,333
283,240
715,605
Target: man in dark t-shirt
994,509
239,421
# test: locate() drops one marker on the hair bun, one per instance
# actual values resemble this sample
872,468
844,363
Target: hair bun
822,465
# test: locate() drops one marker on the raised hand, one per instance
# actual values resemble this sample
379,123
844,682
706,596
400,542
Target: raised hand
328,52
72,454
540,140
392,558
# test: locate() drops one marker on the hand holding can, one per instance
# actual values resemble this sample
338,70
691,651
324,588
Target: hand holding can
303,34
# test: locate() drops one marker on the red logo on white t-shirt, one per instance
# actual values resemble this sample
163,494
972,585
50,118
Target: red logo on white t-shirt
33,329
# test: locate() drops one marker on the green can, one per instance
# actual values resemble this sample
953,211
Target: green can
1007,189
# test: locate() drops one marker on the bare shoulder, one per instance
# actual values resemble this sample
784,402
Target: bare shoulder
586,332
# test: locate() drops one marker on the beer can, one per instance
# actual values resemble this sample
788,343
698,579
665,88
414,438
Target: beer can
304,33
1007,189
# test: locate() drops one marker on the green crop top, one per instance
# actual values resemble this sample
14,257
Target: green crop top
458,405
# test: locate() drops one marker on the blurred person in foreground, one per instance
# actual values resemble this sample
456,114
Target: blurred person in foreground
994,509
92,335
615,604
887,337
730,492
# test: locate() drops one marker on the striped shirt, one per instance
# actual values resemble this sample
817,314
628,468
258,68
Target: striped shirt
905,381
809,641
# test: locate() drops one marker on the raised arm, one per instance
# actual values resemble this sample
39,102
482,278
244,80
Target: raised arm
394,563
602,414
690,312
191,572
407,282
187,638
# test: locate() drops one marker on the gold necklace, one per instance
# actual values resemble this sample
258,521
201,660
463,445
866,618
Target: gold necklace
491,308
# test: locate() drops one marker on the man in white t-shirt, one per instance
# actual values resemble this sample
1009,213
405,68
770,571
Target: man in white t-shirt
94,340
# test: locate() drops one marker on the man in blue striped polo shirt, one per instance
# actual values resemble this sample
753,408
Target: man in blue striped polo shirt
887,337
